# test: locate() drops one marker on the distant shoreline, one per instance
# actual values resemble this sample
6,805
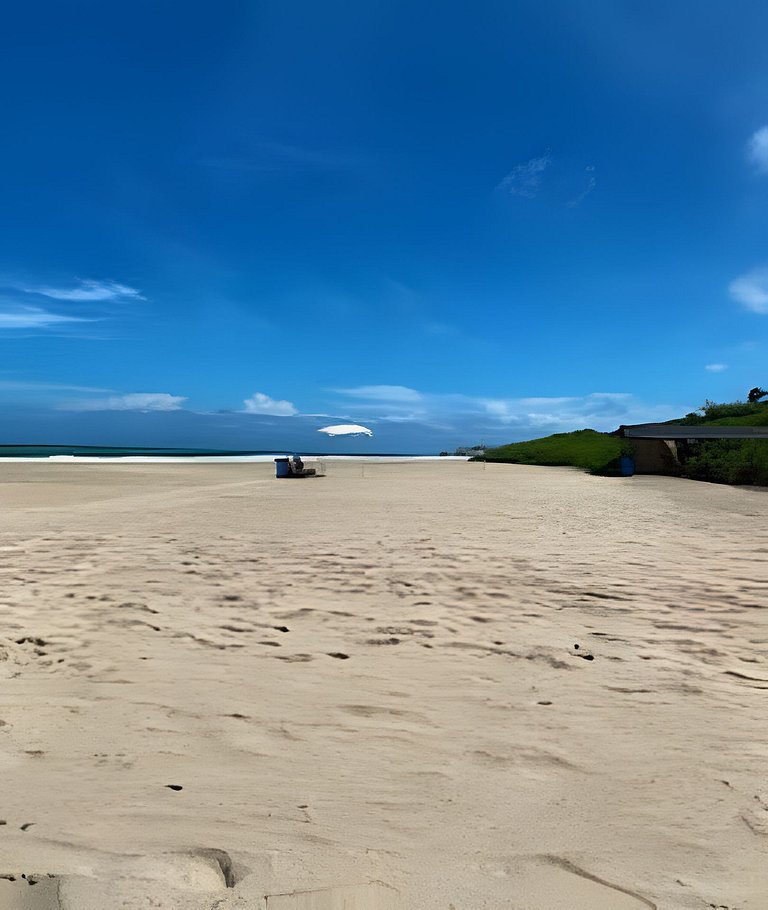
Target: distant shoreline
123,453
60,458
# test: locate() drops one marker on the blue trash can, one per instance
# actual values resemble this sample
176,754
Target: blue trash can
282,467
627,466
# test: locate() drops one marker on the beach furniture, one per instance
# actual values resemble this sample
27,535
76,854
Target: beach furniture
298,468
292,467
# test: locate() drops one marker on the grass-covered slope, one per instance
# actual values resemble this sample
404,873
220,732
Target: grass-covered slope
732,461
595,452
731,414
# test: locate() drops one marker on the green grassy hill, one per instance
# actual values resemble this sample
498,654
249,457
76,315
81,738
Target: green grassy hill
595,452
731,414
731,461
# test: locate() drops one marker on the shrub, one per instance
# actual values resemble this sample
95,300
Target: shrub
735,461
712,411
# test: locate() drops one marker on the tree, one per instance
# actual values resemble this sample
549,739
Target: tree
756,394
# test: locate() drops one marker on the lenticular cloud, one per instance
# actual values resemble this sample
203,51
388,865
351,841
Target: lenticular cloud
346,429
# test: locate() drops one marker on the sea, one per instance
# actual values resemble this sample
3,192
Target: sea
138,454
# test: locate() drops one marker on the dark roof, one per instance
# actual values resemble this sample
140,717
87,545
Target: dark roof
678,431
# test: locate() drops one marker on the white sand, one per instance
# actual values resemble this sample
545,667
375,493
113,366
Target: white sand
172,624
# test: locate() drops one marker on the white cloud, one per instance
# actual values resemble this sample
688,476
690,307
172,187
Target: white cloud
133,401
716,367
603,411
259,403
758,149
525,179
523,417
751,290
89,291
34,318
391,393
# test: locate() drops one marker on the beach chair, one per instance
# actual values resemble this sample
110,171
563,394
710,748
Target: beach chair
297,468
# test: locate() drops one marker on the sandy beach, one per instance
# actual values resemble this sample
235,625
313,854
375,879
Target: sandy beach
485,686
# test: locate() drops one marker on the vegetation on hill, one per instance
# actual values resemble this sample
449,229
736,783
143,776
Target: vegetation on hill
595,452
735,461
734,413
732,461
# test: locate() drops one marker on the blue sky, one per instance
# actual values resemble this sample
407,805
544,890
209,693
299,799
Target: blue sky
447,222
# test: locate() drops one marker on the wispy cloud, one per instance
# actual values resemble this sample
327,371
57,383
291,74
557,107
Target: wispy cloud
34,318
439,329
277,156
757,149
132,401
561,181
600,409
519,416
716,367
388,393
28,306
88,291
23,386
525,179
590,185
259,403
751,290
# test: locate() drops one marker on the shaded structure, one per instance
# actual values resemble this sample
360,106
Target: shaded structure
654,445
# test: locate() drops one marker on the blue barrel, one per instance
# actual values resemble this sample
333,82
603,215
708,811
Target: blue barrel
627,466
282,467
